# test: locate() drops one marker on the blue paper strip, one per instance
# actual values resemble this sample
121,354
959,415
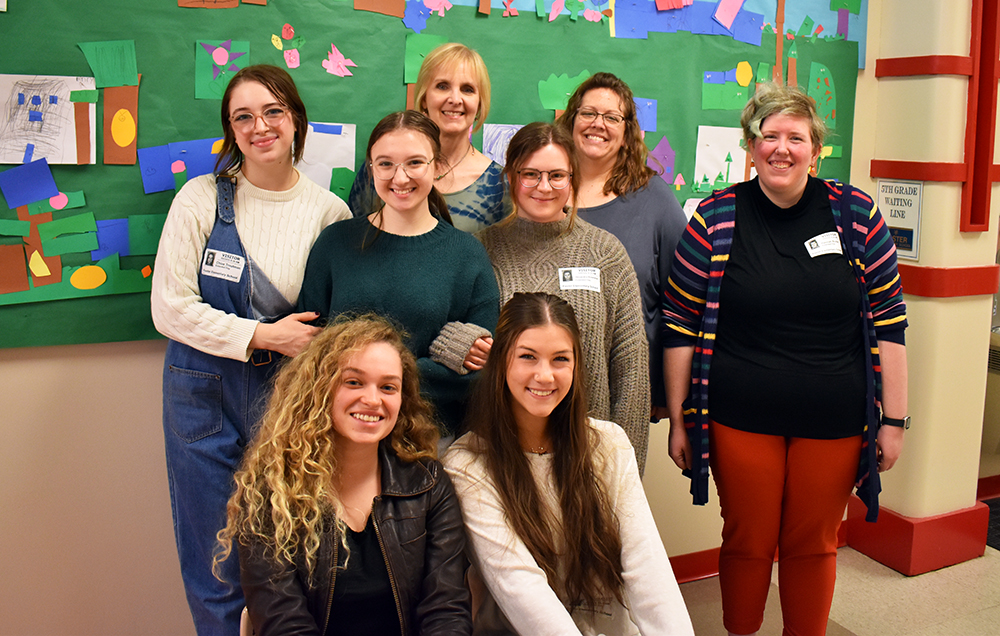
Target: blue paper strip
714,77
20,99
28,183
29,151
329,129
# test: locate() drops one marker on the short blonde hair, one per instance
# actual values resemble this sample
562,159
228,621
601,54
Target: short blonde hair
773,99
452,56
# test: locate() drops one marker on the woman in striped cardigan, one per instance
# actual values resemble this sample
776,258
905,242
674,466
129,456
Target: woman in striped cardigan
784,300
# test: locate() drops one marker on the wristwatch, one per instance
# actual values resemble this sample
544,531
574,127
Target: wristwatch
892,421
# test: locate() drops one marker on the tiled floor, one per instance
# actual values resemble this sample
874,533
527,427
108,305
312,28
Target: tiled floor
873,600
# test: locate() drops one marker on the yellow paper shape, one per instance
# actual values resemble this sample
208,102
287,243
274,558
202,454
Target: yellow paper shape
123,128
217,146
276,41
744,74
88,277
38,266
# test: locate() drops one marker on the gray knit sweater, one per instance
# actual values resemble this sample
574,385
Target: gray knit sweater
526,257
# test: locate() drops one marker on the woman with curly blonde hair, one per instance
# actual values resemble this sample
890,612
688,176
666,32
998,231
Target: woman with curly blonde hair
341,511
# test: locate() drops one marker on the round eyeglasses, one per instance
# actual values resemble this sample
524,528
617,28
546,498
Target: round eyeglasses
246,121
412,168
588,116
530,178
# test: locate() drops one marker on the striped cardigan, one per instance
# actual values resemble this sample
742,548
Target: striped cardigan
691,311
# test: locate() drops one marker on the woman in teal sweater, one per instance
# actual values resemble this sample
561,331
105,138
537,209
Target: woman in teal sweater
407,262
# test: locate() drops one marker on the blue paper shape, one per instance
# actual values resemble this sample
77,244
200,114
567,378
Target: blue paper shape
645,112
329,129
714,77
154,166
27,183
731,75
747,27
29,151
416,16
53,99
34,115
112,236
20,99
636,18
36,100
196,155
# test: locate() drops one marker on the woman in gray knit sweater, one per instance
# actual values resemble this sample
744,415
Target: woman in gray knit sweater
543,247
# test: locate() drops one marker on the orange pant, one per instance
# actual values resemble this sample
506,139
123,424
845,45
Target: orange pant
787,493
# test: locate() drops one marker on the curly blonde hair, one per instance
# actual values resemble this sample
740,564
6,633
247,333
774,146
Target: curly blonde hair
286,486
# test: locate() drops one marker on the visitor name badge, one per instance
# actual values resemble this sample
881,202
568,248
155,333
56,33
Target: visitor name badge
222,265
821,244
580,278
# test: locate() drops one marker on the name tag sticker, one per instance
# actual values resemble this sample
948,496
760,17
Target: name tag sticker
821,244
580,278
222,265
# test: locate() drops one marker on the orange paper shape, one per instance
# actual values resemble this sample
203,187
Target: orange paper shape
208,4
484,6
395,8
121,121
13,269
261,2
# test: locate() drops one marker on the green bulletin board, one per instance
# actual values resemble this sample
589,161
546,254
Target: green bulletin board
41,38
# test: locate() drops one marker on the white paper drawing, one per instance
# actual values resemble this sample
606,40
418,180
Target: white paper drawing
38,119
719,160
328,146
495,140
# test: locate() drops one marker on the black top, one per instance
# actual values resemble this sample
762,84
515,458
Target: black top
789,357
363,601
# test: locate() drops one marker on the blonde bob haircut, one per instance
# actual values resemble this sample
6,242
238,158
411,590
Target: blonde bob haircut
286,496
773,99
450,57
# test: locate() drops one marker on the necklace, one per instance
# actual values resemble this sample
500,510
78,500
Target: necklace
537,450
448,171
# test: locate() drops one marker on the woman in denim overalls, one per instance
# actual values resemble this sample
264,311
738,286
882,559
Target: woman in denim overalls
228,272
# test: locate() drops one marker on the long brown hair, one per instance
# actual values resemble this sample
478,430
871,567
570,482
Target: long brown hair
529,140
282,86
592,560
285,487
630,172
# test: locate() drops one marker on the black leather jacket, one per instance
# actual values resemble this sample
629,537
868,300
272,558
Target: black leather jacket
419,525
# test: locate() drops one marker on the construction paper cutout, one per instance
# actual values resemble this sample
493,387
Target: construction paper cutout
33,245
88,277
661,159
395,8
496,138
113,62
744,73
154,166
70,244
634,19
509,10
144,233
713,77
147,271
208,4
678,182
70,225
574,7
540,8
763,72
13,269
805,28
336,63
731,75
3,5
180,176
291,58
484,7
39,268
440,6
68,201
121,116
416,16
83,96
177,166
14,228
590,15
555,10
724,96
50,127
119,281
276,41
112,236
85,124
196,156
719,159
665,5
554,92
215,63
823,90
259,2
726,12
27,183
645,111
418,45
287,32
328,147
341,180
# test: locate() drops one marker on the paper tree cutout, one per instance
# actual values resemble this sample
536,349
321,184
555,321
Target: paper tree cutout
336,63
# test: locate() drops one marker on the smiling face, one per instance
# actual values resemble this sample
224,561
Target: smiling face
367,399
540,373
782,156
263,144
452,99
596,140
543,203
404,193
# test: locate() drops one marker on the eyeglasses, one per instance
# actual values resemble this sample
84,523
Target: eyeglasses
245,122
589,116
558,179
413,168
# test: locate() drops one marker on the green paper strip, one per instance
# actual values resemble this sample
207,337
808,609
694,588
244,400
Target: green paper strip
70,244
540,8
180,178
73,200
341,180
15,228
120,281
69,225
83,96
144,233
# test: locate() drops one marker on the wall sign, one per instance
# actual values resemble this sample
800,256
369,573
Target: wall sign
899,202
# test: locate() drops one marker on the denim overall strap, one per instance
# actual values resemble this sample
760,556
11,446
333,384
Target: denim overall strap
210,405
